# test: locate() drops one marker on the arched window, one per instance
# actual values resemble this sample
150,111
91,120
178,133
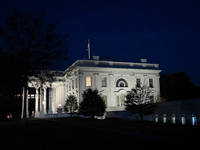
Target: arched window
156,119
183,119
121,83
164,118
173,119
194,119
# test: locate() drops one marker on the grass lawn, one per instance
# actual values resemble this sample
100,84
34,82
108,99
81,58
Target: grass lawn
79,133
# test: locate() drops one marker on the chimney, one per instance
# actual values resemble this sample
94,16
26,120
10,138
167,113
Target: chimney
143,60
95,57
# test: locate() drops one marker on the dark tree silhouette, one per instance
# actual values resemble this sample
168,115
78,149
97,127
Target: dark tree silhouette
138,101
177,86
92,104
10,85
71,104
35,46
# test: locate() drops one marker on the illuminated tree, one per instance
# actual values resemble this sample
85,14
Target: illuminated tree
139,101
92,104
35,45
71,104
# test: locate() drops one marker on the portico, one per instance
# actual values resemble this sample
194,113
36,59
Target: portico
45,98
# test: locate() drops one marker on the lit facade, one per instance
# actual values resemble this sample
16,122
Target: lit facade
112,79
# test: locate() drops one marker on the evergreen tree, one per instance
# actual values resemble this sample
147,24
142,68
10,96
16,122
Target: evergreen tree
92,104
178,86
71,104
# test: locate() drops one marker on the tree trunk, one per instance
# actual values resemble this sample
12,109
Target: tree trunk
25,96
24,113
142,113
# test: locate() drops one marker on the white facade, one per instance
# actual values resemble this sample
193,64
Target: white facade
111,79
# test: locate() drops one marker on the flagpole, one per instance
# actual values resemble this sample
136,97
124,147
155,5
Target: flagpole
88,49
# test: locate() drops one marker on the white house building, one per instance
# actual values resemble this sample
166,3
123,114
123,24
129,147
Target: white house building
112,79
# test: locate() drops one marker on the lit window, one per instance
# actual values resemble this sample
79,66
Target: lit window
104,82
151,83
183,119
32,96
164,118
194,120
138,82
173,119
156,119
88,81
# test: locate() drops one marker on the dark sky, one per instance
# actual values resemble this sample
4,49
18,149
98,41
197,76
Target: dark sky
166,32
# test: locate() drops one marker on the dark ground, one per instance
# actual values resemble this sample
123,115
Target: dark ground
79,133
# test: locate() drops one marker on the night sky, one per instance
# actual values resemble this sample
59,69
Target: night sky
166,32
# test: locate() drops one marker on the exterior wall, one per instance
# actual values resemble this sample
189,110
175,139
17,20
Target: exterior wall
174,111
112,74
182,108
75,84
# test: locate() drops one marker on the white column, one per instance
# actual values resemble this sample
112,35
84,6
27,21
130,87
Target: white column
41,113
60,94
53,98
81,86
112,85
50,100
57,98
27,112
96,80
133,81
22,102
36,102
109,91
78,89
45,100
158,86
63,94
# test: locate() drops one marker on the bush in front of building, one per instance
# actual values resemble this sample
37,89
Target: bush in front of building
71,104
92,104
